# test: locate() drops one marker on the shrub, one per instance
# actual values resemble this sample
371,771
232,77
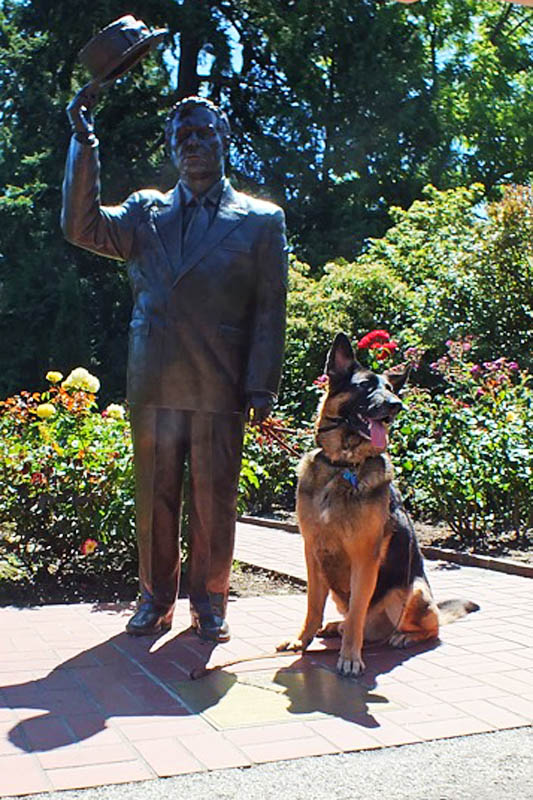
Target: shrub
468,267
449,267
464,456
66,496
67,483
349,297
268,474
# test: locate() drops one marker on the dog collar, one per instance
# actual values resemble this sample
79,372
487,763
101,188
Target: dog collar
323,457
348,474
336,423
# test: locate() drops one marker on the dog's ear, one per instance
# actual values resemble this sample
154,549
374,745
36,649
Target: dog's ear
340,358
397,376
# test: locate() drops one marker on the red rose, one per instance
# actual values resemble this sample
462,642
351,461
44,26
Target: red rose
372,338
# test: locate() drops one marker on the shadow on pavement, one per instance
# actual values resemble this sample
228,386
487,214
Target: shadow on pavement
123,676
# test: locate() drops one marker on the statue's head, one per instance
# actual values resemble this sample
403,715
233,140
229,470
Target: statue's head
197,134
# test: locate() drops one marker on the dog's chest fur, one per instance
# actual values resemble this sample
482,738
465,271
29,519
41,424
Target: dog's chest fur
340,514
338,497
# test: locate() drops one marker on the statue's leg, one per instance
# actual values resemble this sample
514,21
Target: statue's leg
160,439
215,460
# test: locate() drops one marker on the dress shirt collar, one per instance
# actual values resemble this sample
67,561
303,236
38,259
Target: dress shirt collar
212,195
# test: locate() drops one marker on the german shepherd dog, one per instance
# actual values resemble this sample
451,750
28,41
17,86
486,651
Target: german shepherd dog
359,541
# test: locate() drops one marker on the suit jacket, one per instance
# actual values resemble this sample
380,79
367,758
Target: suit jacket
207,329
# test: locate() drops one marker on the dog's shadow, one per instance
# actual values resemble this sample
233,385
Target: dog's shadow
312,683
121,677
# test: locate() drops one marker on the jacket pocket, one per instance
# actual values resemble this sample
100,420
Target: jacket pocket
232,334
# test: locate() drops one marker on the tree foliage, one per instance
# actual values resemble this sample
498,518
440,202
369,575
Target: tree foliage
341,110
450,267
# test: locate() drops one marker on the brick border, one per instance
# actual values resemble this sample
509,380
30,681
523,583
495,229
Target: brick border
431,553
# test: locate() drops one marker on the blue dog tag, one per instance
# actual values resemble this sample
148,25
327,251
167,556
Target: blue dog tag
351,477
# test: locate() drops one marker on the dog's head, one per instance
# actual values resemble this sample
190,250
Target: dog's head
359,404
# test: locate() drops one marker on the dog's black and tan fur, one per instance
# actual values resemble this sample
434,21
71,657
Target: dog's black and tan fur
359,541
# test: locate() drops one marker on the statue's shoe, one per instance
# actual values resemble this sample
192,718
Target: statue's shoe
211,627
149,620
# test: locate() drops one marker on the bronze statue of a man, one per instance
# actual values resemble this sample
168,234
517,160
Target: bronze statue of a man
207,267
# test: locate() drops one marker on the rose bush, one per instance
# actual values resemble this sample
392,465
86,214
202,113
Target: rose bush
463,455
268,473
66,476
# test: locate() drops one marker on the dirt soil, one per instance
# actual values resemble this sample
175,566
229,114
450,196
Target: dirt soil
246,581
503,547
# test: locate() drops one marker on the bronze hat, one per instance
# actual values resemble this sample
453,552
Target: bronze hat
118,47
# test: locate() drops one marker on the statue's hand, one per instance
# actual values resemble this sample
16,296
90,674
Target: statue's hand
79,110
258,408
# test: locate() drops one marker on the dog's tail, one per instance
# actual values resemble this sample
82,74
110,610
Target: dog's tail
450,610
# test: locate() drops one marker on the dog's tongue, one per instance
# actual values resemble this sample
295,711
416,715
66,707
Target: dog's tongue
378,434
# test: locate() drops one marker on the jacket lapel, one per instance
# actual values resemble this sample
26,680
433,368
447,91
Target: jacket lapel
230,213
169,225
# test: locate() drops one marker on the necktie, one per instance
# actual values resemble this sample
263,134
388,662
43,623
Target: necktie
197,227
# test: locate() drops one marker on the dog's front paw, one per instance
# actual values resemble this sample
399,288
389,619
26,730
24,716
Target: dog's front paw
350,666
295,645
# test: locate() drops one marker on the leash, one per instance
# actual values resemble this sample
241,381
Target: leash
276,433
202,672
197,673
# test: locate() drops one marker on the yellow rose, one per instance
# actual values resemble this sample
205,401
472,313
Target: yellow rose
45,410
92,384
80,378
75,378
511,416
54,377
115,411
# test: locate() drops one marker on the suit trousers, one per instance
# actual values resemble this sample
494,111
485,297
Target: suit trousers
164,439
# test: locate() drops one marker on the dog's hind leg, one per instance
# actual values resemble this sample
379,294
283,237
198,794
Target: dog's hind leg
420,618
317,592
331,630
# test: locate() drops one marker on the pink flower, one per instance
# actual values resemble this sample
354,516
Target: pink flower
322,381
88,547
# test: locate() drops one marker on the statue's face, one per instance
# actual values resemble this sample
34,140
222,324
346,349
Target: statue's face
197,148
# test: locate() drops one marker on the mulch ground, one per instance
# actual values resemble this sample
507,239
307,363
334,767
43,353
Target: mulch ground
246,581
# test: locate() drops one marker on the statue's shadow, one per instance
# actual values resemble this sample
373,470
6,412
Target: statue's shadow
122,677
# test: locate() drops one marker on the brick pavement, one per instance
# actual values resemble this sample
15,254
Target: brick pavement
82,704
